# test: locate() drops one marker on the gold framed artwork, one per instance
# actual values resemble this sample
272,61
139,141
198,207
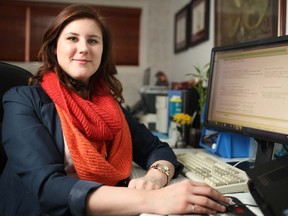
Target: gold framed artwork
238,21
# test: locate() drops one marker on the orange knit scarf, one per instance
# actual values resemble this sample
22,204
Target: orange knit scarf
96,132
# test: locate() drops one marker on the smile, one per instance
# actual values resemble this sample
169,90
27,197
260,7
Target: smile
81,60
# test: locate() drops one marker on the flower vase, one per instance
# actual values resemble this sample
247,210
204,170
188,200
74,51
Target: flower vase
181,141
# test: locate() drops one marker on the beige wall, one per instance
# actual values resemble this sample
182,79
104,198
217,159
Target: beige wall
156,44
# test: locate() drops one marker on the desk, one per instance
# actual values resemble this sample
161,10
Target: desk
245,198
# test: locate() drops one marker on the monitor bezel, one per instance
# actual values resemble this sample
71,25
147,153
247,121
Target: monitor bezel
263,135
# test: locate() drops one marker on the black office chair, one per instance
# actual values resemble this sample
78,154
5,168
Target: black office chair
10,76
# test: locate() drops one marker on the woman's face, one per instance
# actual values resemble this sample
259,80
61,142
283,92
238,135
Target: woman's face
79,49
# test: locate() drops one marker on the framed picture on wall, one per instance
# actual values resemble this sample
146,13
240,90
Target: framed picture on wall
199,25
241,21
181,30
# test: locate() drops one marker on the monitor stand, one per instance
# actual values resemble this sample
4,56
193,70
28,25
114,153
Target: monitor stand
264,153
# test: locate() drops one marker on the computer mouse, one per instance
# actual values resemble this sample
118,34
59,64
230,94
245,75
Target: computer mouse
229,206
236,207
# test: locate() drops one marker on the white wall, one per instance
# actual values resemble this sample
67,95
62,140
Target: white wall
131,76
156,44
199,55
154,52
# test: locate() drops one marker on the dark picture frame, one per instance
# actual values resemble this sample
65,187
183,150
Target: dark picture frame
248,20
181,30
199,25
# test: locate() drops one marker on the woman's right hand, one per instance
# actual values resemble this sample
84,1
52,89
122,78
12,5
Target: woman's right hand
188,197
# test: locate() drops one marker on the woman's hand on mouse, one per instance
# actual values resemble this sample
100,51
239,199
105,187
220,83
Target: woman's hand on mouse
189,197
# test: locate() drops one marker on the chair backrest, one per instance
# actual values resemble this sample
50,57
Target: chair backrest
10,76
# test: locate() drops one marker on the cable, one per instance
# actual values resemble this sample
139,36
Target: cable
239,162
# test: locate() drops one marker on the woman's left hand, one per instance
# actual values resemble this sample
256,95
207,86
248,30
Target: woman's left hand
147,182
154,179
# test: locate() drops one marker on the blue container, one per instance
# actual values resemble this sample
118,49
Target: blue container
226,144
175,105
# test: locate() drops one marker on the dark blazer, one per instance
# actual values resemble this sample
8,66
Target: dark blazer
34,181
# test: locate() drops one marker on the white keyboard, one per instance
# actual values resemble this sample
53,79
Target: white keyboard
203,167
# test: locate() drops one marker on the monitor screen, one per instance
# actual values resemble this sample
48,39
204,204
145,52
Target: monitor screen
248,90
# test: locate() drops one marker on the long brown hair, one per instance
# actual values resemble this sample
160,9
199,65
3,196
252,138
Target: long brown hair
106,70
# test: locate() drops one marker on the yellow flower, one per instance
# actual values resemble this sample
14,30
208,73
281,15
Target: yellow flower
182,118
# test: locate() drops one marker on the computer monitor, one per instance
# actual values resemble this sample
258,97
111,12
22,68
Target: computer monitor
248,92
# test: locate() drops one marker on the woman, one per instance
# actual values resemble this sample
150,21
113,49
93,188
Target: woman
70,144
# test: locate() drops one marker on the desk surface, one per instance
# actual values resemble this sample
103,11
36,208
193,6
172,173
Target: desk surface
245,198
